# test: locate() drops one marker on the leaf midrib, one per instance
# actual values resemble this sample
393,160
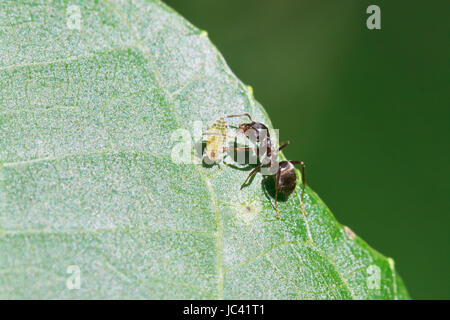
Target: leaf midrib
208,184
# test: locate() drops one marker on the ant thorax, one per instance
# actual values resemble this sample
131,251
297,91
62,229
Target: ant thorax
285,166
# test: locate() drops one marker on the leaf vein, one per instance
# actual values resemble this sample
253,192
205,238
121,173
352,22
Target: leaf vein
64,60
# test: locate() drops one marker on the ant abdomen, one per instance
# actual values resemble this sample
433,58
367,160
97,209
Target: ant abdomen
287,178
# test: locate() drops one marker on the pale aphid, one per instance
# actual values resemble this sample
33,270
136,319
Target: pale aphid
216,137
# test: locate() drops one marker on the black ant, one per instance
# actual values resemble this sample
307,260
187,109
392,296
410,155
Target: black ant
285,176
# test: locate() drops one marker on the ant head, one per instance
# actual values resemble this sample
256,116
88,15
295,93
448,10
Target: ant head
255,131
252,133
243,127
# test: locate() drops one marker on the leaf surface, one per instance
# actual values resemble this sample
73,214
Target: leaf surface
87,179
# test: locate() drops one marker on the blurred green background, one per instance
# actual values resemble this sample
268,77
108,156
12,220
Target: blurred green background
368,110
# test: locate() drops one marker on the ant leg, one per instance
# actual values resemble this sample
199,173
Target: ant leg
285,144
251,174
240,115
214,134
246,149
240,160
241,148
302,164
277,183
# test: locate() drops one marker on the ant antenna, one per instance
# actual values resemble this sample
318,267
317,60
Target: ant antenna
240,115
302,164
285,144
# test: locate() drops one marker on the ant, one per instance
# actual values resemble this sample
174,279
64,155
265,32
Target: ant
285,176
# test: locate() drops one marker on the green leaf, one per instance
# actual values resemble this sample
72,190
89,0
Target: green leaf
87,180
